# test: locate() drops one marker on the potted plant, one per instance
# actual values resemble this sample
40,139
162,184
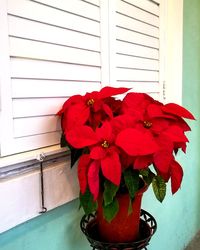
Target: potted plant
122,147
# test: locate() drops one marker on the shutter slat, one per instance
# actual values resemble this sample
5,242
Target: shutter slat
137,38
146,5
28,88
147,87
136,50
137,75
24,126
21,27
137,13
136,62
76,6
36,107
155,1
44,51
135,25
41,13
37,141
22,68
95,2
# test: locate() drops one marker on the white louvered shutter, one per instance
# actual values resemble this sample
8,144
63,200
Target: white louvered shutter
54,52
135,57
54,49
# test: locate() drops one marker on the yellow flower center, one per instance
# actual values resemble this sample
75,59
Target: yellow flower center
90,102
147,124
105,144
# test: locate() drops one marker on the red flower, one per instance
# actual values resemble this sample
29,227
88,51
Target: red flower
142,162
88,175
136,104
93,178
176,176
81,109
136,143
165,124
81,136
107,153
112,135
102,148
177,110
83,166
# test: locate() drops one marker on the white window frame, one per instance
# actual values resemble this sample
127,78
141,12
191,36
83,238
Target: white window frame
171,57
170,77
170,62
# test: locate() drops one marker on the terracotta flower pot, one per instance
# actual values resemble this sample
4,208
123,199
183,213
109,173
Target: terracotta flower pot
124,227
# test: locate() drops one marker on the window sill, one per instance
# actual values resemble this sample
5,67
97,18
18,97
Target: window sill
22,194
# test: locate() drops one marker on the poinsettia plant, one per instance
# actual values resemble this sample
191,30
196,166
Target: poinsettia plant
118,142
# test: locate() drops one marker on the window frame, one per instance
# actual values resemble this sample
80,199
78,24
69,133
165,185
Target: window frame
170,65
170,62
172,58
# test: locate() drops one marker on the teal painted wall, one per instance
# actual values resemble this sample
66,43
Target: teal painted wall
178,217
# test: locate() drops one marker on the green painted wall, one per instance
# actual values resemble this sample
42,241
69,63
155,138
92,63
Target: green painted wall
178,217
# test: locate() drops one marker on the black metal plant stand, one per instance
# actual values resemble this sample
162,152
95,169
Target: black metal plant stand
148,227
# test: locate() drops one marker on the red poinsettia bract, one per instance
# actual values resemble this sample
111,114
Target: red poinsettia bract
91,108
103,154
137,132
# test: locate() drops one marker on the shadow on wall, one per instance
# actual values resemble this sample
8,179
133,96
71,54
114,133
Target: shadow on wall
195,243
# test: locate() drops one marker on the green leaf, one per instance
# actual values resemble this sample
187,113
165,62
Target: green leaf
75,155
87,202
159,187
110,191
111,210
149,178
144,172
132,181
63,142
